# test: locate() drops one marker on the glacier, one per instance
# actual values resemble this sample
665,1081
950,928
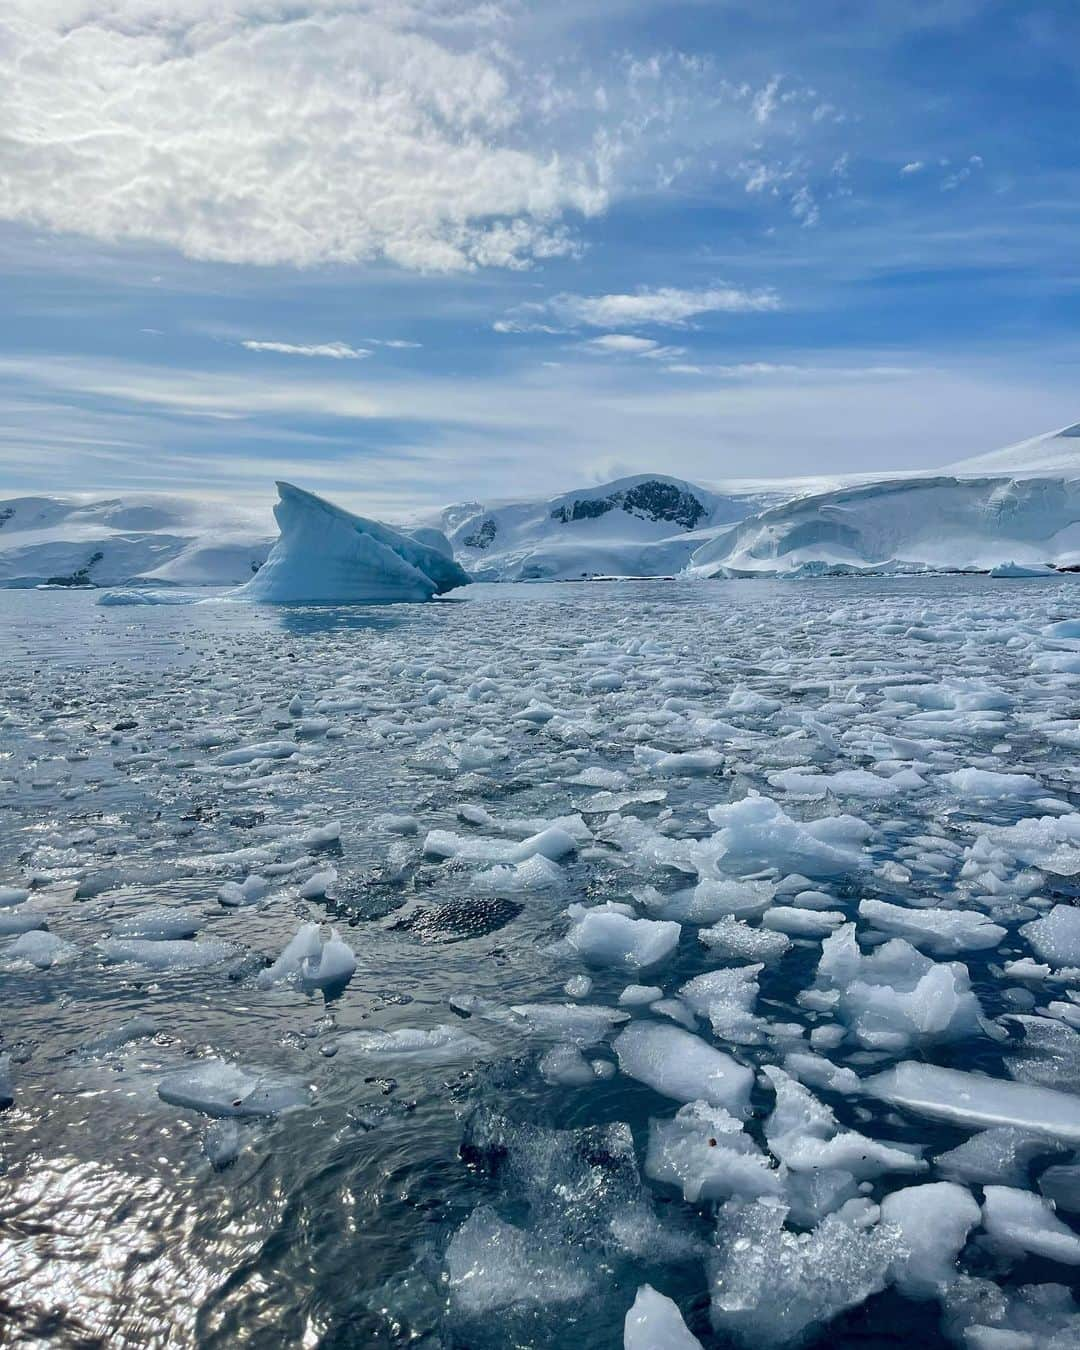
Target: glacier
326,555
1010,527
142,537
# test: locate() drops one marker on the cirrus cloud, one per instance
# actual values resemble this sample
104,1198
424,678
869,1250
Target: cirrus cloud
336,351
666,306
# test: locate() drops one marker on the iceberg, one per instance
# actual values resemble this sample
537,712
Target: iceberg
326,555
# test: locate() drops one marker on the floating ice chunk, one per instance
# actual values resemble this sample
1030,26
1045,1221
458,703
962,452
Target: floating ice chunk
943,932
314,960
570,1022
612,780
711,899
732,940
133,597
40,950
821,1073
771,1286
682,1066
935,1220
605,936
755,832
218,1088
987,786
247,892
1015,570
896,996
108,1042
1020,1222
414,1045
158,922
553,843
803,1133
655,1323
705,1152
326,555
982,1316
1048,1054
847,783
398,824
168,954
1056,938
640,995
567,1066
810,923
12,895
1003,1155
1061,1186
249,754
727,998
21,919
672,764
492,1265
318,884
533,875
971,1099
578,986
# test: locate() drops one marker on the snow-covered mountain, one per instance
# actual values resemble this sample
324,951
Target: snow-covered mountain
1013,505
646,525
940,523
164,539
327,555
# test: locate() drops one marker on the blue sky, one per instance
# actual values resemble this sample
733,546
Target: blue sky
412,251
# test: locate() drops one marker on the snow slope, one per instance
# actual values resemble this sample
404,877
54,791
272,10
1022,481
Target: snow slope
1055,452
168,540
326,555
940,523
646,525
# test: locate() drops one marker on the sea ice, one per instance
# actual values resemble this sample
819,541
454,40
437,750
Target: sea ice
934,1220
655,1323
218,1088
770,1286
1020,1223
975,1100
606,935
683,1066
705,1152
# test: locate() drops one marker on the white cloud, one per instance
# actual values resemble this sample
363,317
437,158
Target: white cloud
667,306
249,131
622,343
337,351
914,166
440,135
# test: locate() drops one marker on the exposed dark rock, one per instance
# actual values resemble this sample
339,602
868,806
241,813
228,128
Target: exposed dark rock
651,500
481,537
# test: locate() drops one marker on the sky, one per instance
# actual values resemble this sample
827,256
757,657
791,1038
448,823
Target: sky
410,252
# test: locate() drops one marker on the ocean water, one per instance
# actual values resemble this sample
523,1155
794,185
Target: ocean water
338,1223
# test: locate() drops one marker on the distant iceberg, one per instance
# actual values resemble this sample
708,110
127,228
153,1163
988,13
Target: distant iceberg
326,555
